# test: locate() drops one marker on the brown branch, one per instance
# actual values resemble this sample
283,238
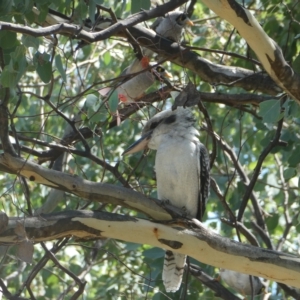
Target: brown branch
219,194
72,123
124,113
209,72
211,283
244,230
121,24
98,192
263,234
57,149
190,9
227,53
229,151
39,266
236,100
257,169
65,270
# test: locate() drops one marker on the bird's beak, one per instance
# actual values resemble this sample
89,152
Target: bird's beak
189,22
167,74
139,145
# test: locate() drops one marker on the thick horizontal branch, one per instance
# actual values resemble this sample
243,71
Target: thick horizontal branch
120,25
195,241
267,51
234,99
100,192
207,71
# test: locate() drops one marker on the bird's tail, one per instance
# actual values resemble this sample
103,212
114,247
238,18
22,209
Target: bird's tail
173,270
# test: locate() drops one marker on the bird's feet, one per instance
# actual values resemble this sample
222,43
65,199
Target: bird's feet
122,98
165,202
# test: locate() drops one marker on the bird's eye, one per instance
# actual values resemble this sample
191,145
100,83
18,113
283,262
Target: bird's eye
154,125
160,69
181,18
170,119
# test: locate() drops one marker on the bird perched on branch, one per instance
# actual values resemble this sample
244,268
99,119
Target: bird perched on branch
242,282
131,90
182,173
171,25
133,86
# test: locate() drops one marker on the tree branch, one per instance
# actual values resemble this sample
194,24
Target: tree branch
187,237
266,49
257,169
209,72
211,283
99,192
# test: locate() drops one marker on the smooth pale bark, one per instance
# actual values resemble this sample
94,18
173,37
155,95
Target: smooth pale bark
100,192
266,49
198,242
188,237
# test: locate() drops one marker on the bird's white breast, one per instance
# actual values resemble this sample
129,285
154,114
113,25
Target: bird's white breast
176,166
136,86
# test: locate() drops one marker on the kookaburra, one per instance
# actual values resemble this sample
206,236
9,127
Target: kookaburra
182,173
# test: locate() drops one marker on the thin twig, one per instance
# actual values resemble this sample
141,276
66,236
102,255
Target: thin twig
257,169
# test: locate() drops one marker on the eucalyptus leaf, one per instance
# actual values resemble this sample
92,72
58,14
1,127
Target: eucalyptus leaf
113,102
138,5
30,41
44,67
289,173
270,111
60,68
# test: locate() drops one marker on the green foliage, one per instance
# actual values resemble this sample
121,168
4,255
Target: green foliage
138,5
44,66
270,111
60,68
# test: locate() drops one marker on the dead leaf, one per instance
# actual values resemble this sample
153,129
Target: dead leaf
20,231
25,251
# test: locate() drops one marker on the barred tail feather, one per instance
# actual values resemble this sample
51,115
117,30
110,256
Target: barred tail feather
173,270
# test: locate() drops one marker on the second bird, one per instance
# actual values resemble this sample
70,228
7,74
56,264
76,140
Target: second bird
134,88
